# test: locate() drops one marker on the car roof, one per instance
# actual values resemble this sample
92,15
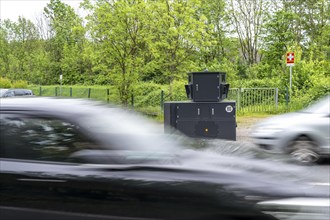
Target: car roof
52,104
19,89
96,115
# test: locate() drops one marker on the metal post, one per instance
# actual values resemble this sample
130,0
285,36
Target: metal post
162,100
276,99
89,92
290,78
108,94
70,91
238,106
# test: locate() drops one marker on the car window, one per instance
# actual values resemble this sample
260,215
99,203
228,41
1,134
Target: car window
34,138
3,92
8,94
18,92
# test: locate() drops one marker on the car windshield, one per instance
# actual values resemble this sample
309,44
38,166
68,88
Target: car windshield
128,131
2,92
320,107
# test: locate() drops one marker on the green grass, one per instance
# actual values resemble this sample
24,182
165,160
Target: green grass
250,119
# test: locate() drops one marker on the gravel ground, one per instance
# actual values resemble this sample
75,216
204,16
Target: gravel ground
244,126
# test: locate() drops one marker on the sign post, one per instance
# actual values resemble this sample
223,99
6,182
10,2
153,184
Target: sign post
290,63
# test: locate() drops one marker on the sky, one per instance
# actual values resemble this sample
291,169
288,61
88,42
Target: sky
30,9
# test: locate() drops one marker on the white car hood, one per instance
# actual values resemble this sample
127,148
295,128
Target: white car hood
288,118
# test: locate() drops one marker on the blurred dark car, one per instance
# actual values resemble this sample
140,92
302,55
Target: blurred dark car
78,159
305,134
4,93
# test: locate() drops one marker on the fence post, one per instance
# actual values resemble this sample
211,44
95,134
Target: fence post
162,100
239,99
55,91
89,92
132,101
108,93
40,91
276,99
70,91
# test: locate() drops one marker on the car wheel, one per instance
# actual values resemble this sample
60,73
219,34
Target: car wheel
303,151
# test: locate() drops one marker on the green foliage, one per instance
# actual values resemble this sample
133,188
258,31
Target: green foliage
5,83
320,88
66,44
118,28
150,111
278,37
147,94
177,35
256,83
140,48
20,84
225,65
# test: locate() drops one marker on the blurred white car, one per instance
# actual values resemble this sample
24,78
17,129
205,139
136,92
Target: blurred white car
305,134
5,93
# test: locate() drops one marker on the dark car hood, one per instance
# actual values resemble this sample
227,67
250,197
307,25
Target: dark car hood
223,179
245,176
254,176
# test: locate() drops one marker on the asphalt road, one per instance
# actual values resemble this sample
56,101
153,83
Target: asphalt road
319,172
318,175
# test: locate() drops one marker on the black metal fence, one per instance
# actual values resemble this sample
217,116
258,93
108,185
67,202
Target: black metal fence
247,99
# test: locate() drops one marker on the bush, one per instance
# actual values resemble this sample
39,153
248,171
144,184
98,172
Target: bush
147,94
20,84
256,83
5,83
178,91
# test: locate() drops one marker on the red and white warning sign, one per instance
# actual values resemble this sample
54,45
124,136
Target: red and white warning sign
290,59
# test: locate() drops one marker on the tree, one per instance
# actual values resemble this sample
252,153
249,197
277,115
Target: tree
19,40
297,25
179,34
217,26
247,18
311,25
4,49
119,31
316,25
278,38
67,35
